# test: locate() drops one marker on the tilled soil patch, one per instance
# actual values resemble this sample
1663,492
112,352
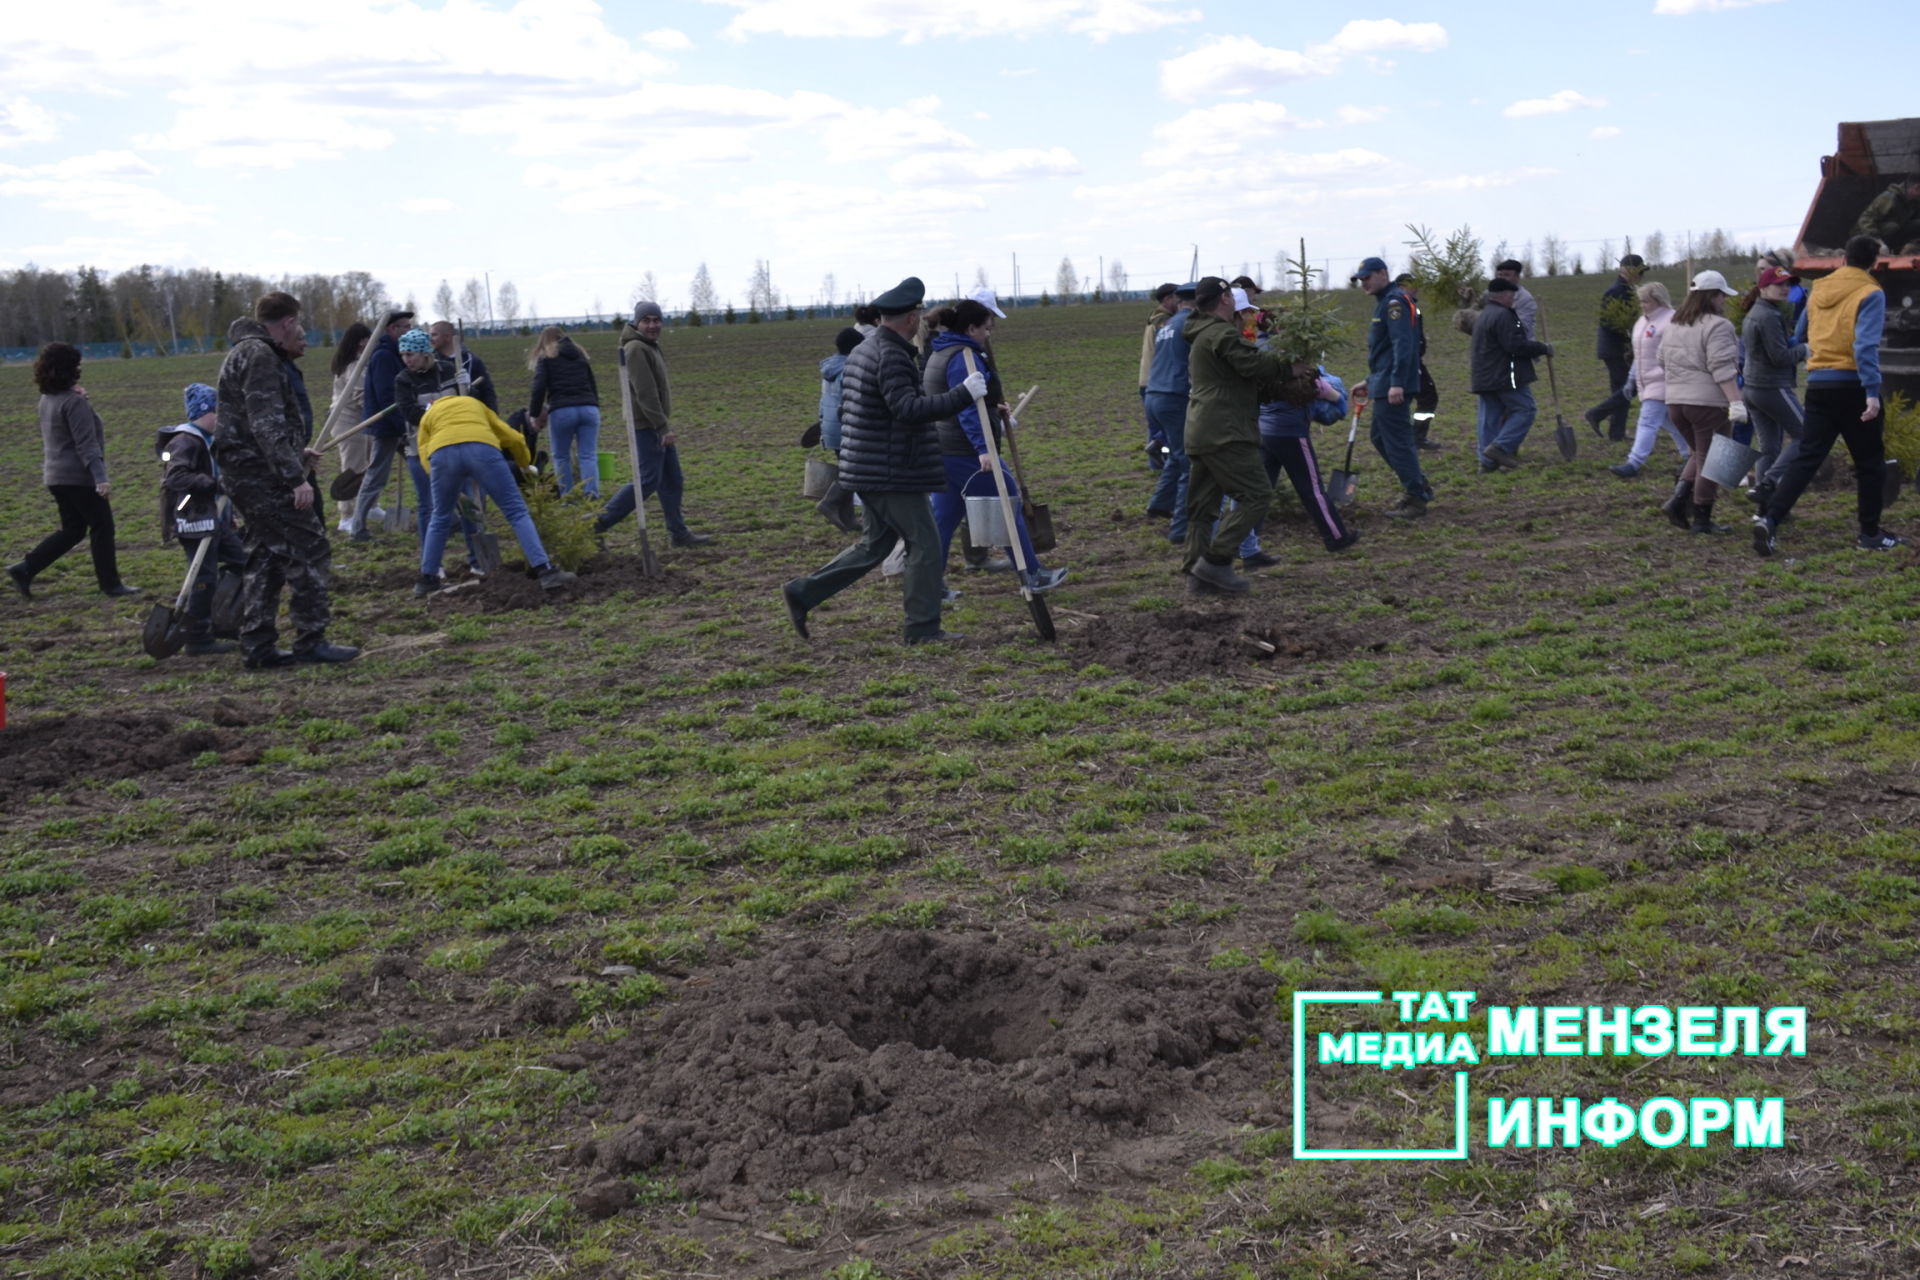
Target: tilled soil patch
912,1058
56,751
1178,644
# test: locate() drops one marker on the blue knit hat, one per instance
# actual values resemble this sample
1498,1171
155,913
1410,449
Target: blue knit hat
414,342
199,398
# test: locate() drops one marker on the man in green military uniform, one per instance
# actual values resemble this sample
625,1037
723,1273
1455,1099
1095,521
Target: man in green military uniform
1223,435
1893,217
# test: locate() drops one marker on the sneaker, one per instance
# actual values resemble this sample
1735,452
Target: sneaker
1765,537
325,651
345,525
1408,508
1761,495
949,596
690,539
427,585
1258,560
1500,457
936,637
553,577
1625,470
1877,542
1209,576
119,589
476,572
1044,579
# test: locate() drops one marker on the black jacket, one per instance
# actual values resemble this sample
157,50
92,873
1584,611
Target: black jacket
888,443
1503,355
415,391
190,485
563,380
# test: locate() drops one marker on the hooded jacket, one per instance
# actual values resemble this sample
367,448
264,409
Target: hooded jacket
1773,359
1842,324
1226,372
646,373
888,443
1503,355
265,418
563,380
190,485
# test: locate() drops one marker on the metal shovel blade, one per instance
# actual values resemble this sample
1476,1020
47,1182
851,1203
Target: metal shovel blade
1563,437
345,486
164,633
1042,616
1040,526
1341,486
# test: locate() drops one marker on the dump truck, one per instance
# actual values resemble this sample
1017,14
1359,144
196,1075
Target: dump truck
1871,156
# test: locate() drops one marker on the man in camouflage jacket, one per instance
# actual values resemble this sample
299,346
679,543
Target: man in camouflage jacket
262,435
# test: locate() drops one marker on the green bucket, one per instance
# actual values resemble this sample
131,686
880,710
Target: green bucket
612,474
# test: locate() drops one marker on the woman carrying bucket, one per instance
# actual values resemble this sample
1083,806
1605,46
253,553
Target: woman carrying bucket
1648,380
963,447
1698,357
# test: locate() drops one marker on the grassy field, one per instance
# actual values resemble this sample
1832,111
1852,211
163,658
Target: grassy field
626,935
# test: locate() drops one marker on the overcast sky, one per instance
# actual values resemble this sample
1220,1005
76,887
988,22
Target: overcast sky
571,147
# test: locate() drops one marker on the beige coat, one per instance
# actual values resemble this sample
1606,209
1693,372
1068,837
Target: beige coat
1697,358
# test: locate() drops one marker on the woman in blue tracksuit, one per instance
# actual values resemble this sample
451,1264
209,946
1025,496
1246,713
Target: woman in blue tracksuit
1286,445
963,447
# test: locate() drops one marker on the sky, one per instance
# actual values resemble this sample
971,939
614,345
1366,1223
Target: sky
571,147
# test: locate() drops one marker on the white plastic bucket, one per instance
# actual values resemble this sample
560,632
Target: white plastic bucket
1728,461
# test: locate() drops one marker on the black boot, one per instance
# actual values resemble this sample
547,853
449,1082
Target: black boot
1703,519
1679,508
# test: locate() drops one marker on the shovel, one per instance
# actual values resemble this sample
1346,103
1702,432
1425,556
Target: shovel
165,630
1036,603
1343,482
1563,437
1039,515
649,562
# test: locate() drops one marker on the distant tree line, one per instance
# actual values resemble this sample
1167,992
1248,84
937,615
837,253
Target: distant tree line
149,304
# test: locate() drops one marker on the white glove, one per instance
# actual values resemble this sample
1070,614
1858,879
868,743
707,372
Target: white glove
1737,411
976,384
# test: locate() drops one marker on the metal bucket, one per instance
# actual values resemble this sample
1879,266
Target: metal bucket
1895,477
986,521
1728,461
819,478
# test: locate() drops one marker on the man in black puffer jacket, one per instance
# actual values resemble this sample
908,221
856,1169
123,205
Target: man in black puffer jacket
890,456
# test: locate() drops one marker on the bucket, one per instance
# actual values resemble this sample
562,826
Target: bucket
1728,462
986,521
611,474
819,478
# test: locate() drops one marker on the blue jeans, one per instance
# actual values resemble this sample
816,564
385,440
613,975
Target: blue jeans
1391,431
1505,418
423,491
1654,420
575,426
1167,414
454,467
949,507
659,473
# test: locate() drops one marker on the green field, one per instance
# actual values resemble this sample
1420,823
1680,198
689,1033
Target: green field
627,935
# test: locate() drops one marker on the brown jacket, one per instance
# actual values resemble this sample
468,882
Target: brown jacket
646,374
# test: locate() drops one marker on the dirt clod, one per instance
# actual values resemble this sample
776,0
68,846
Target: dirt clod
56,751
1179,643
915,1058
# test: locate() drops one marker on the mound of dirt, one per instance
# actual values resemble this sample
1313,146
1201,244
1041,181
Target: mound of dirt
1179,643
58,750
512,589
911,1058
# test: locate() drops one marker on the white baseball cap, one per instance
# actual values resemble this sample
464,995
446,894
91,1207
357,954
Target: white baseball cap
988,299
1711,280
1241,302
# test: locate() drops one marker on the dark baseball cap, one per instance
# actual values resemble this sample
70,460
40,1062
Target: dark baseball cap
1500,284
1633,260
1161,291
1367,267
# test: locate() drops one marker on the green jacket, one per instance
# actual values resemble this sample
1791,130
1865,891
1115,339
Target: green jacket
1223,407
647,377
1890,218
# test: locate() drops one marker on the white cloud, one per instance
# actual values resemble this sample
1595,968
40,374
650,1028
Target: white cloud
969,168
932,20
665,38
427,204
23,122
1219,132
1605,131
1362,115
1565,100
866,133
1371,35
1675,8
1233,65
104,186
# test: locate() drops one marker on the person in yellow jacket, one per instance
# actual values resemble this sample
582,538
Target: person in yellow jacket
462,442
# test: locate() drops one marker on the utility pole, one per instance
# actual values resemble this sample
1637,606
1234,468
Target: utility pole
1016,276
1193,270
489,278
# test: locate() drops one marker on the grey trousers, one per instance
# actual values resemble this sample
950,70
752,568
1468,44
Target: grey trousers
891,518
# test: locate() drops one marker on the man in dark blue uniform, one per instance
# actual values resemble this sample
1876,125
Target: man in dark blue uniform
1393,377
1615,352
